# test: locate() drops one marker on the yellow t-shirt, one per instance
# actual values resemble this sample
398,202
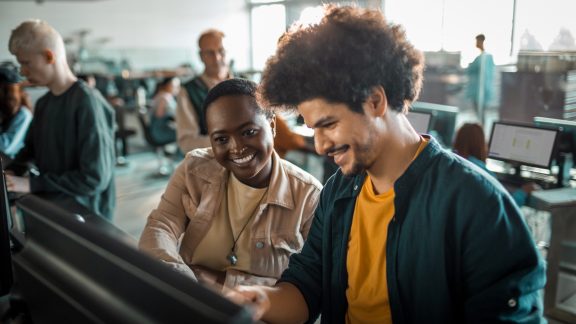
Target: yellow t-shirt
367,291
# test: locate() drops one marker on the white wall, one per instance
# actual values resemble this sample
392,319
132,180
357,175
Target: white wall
161,33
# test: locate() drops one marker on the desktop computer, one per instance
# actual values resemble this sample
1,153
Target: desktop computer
66,270
565,151
442,123
522,145
420,121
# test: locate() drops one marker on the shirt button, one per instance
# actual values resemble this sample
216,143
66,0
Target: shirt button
355,187
259,245
512,302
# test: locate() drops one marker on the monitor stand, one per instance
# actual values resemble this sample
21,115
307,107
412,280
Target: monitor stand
517,176
564,161
512,179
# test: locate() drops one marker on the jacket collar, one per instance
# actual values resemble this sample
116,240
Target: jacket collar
212,172
350,187
419,165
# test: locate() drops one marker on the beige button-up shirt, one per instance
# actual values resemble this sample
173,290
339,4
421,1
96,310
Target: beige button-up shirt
191,200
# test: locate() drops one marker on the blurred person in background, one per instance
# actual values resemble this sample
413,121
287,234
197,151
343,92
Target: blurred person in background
15,116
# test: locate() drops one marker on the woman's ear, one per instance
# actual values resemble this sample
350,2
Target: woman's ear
273,124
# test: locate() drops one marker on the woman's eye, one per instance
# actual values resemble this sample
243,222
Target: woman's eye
220,140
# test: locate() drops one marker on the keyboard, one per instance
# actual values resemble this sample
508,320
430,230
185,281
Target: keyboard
513,181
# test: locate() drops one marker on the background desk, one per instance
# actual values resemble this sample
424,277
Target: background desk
560,291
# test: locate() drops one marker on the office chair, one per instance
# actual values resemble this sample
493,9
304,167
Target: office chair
165,164
122,134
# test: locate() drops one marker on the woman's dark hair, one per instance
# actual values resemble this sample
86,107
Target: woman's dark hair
163,83
470,141
341,60
234,87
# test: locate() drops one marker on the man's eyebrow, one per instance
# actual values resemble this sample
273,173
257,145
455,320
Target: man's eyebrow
323,121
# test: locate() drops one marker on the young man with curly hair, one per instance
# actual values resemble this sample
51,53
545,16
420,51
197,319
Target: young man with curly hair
405,231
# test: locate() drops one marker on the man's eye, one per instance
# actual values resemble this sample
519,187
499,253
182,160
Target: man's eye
329,125
249,132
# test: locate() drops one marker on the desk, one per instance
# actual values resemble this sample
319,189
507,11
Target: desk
560,290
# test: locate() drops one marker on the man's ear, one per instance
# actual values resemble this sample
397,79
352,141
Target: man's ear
377,103
273,125
49,56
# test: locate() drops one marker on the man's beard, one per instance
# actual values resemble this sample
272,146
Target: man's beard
359,165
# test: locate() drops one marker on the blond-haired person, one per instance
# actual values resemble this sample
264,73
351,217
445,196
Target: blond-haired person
71,138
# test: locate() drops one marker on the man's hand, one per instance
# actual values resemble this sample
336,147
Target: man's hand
17,184
252,296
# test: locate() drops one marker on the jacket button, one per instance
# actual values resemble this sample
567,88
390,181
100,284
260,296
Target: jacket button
259,245
512,302
355,187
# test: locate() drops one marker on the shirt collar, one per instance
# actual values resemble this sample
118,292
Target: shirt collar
279,189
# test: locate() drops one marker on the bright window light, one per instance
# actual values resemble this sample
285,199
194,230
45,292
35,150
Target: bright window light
311,15
268,24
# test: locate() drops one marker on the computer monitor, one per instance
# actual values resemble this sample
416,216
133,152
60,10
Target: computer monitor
565,145
567,137
443,121
68,270
521,144
420,121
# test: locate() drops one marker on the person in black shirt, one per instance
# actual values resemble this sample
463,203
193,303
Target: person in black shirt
71,138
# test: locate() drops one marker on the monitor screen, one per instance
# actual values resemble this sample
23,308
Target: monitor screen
420,121
567,139
522,144
443,121
70,270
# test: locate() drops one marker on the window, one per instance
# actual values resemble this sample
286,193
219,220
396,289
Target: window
268,24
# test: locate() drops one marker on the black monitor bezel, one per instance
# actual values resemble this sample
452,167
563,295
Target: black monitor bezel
439,113
45,222
525,125
6,272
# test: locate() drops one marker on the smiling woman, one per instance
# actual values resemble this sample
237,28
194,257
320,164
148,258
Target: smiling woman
240,133
238,208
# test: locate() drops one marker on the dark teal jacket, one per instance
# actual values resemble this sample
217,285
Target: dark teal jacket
458,250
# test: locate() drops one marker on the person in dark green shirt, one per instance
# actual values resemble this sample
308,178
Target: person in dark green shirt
454,247
71,138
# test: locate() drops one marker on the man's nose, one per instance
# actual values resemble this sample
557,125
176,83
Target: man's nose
321,142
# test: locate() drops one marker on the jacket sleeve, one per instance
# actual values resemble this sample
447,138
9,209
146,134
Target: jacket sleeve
13,137
166,224
311,204
187,127
305,268
95,142
20,162
503,272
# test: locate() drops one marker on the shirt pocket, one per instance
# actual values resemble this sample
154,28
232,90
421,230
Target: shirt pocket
283,246
287,243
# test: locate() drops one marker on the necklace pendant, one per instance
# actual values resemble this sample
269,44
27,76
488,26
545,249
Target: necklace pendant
232,258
